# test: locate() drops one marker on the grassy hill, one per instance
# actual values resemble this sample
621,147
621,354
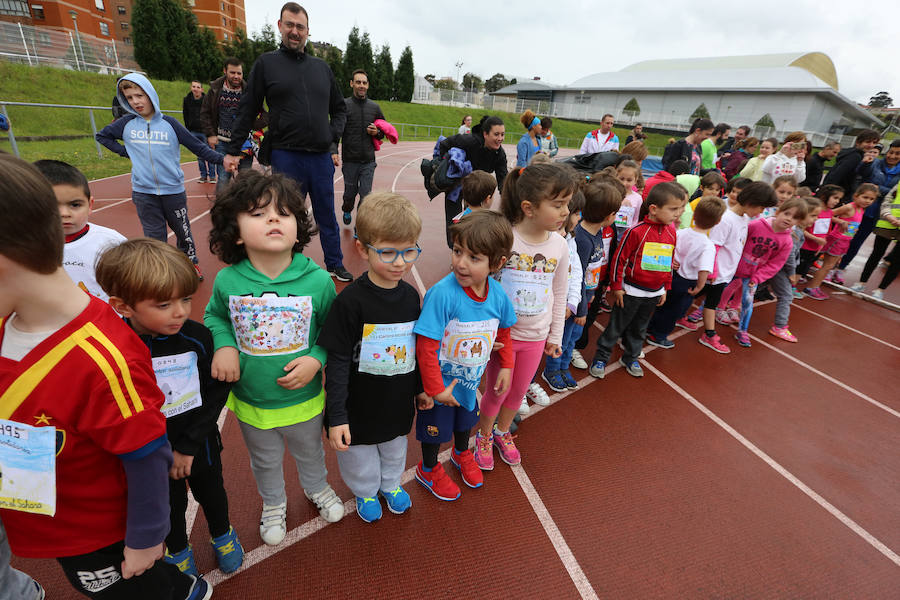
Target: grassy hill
47,85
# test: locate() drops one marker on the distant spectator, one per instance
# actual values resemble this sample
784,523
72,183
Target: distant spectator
548,140
688,149
710,146
815,165
637,135
790,160
190,111
843,173
636,150
753,169
466,125
731,143
601,140
117,110
530,144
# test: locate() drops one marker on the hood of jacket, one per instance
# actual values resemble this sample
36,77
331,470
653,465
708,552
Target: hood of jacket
148,88
299,267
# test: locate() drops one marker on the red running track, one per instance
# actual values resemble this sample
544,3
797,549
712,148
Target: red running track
771,472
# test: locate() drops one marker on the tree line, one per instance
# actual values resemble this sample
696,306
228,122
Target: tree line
170,44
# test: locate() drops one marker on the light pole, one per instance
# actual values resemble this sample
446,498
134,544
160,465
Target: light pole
459,65
74,16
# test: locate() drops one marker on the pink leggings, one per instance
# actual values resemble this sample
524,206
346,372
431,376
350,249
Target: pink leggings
731,297
528,357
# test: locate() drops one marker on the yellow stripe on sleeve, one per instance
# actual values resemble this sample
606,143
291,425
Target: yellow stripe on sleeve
121,363
110,375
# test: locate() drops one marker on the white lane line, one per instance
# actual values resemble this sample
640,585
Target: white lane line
841,384
847,521
376,160
403,168
194,220
871,337
556,538
419,283
96,210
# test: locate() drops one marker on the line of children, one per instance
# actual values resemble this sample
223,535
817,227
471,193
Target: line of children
830,195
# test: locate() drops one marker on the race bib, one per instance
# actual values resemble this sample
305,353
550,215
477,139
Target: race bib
657,257
624,215
852,228
592,275
466,347
387,349
179,379
27,468
821,226
271,325
529,291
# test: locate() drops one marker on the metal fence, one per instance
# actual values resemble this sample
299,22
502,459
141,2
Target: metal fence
40,46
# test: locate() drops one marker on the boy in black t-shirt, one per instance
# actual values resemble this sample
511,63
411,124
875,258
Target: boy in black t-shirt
371,379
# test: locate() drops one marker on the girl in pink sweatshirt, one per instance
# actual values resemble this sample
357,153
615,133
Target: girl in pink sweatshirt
765,252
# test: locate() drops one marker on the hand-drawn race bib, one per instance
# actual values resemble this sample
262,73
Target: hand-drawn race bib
821,226
27,468
179,379
657,257
624,215
592,275
852,228
387,348
271,325
466,348
529,291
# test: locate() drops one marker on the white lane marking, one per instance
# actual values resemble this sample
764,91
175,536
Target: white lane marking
403,168
376,160
847,521
838,323
419,283
556,538
119,201
96,210
841,384
194,220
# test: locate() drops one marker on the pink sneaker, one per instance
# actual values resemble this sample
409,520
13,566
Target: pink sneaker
722,317
715,343
734,315
508,451
836,277
696,316
743,338
783,333
686,324
484,451
816,293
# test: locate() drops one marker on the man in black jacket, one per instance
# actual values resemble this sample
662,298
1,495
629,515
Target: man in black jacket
843,173
306,116
190,111
815,165
357,149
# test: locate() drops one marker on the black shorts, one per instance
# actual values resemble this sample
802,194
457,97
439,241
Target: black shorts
713,293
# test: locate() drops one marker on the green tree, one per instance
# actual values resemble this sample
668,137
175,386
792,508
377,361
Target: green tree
446,83
242,47
472,82
149,29
495,82
208,57
405,77
381,81
765,121
513,81
168,43
632,107
265,41
358,55
881,100
701,112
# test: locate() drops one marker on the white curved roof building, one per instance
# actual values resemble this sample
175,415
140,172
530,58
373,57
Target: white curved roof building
799,91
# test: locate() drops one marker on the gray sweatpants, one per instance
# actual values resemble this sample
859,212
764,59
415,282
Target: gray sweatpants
14,584
266,447
781,287
368,468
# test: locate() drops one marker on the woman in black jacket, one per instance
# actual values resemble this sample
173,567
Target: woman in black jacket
483,148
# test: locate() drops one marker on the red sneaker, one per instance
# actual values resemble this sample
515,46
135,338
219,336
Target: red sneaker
437,482
471,472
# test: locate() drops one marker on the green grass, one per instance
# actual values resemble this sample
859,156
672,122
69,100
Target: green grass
47,85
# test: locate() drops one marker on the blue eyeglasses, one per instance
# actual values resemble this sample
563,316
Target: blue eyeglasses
389,255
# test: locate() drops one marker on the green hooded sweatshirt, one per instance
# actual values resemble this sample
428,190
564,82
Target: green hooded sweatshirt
271,322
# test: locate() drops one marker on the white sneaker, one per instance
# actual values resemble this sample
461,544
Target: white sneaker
878,294
641,355
578,360
272,523
524,409
330,506
858,287
537,395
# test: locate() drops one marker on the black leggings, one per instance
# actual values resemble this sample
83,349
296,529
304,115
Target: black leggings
430,451
878,251
807,258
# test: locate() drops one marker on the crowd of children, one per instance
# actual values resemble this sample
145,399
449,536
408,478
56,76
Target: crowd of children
145,385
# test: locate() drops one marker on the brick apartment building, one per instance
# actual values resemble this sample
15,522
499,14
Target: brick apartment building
111,19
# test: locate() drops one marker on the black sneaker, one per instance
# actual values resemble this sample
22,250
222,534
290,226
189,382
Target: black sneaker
340,273
347,218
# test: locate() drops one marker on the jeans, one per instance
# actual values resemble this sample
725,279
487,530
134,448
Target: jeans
571,333
224,176
677,302
157,211
207,169
357,180
746,304
314,172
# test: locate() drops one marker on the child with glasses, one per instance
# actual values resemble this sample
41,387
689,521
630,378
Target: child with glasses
371,379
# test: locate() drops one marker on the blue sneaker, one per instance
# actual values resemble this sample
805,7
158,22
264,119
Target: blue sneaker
347,218
229,552
664,342
555,381
398,501
368,509
570,381
184,560
598,369
200,589
634,367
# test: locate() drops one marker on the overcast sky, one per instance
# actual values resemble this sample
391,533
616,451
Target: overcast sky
568,39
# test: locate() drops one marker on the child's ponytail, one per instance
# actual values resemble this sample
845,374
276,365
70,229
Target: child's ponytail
535,183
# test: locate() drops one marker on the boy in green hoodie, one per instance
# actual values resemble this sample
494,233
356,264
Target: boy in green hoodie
265,314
